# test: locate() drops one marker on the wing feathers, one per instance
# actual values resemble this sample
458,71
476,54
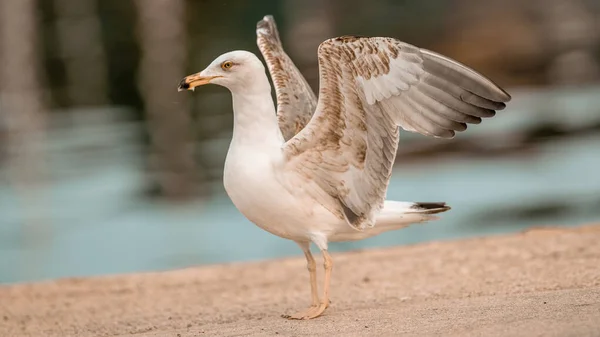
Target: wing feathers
368,88
458,110
431,109
462,76
296,101
449,95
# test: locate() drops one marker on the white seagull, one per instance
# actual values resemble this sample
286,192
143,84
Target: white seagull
318,171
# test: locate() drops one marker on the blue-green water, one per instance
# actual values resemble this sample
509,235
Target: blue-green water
90,220
94,225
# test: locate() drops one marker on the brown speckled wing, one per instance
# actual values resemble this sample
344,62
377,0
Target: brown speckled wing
368,88
296,101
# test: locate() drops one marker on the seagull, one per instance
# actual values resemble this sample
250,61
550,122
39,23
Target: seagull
317,171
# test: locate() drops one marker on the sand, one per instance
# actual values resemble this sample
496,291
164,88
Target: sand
543,282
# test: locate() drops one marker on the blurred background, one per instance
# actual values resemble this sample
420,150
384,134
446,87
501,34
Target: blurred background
105,168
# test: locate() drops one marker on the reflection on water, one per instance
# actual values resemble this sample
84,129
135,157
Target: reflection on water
99,228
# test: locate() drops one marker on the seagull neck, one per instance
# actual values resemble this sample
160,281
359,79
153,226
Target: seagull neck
254,119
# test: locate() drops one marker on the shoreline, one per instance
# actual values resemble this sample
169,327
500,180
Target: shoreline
543,281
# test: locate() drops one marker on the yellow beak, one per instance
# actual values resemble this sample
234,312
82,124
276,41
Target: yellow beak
195,80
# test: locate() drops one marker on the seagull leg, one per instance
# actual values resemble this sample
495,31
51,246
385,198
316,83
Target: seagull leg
316,311
312,269
328,267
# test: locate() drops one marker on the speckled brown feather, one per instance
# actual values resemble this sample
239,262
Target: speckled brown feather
369,87
296,101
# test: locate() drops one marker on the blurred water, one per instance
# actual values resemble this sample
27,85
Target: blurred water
108,231
93,221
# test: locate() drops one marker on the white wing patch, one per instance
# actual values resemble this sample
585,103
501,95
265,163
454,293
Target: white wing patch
401,76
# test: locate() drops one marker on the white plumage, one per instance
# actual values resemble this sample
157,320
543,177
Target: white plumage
318,171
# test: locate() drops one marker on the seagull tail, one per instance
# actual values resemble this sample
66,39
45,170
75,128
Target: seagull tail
397,215
400,214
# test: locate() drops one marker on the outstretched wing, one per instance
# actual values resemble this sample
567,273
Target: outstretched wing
296,101
369,87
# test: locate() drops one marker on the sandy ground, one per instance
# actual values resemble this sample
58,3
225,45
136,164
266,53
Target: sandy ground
544,282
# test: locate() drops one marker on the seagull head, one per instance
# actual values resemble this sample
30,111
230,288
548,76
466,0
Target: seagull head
237,70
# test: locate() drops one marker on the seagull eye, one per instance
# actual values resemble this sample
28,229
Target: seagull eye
227,65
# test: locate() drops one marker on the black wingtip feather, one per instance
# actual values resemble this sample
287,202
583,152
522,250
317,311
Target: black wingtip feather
430,207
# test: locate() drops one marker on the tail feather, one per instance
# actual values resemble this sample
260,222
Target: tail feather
401,214
393,216
429,207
